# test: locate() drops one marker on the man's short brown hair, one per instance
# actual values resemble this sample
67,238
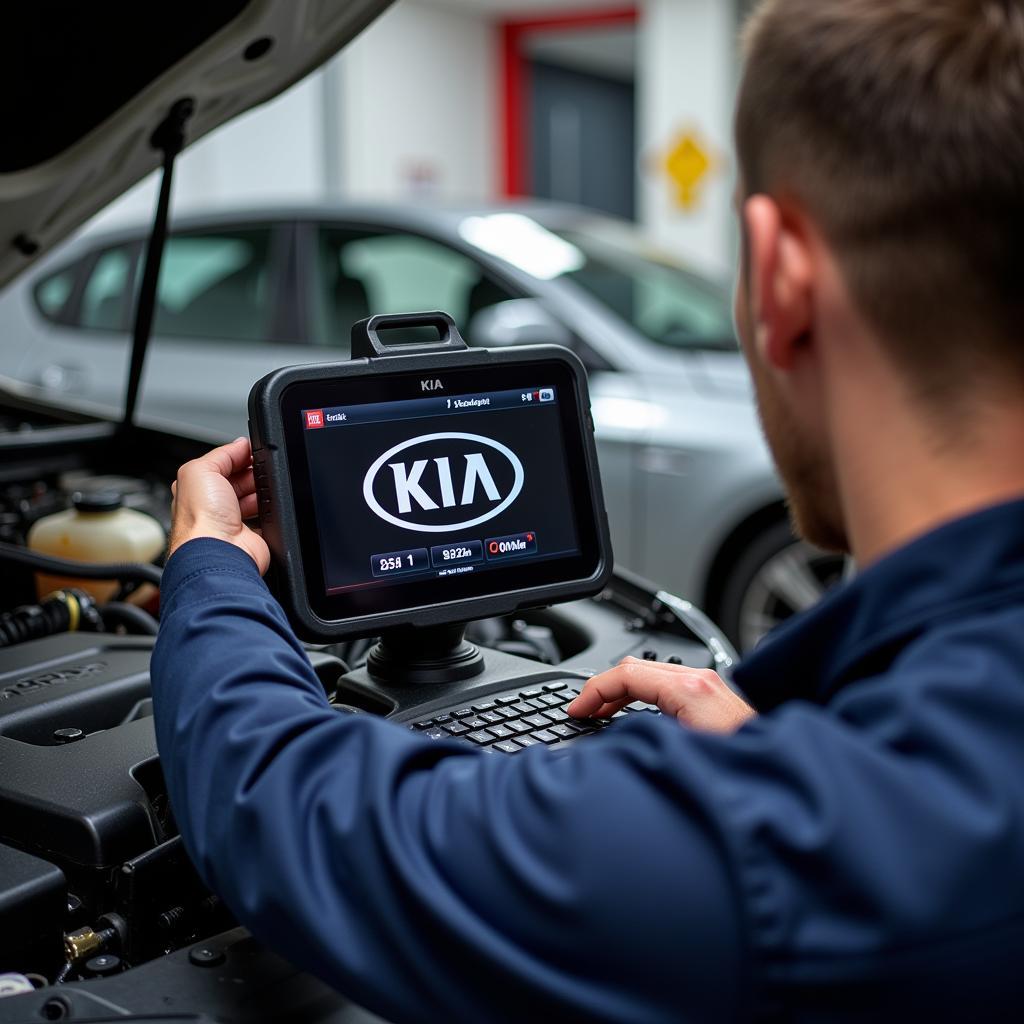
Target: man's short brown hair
898,125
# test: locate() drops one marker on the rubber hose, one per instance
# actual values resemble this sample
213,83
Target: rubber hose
136,572
34,621
136,620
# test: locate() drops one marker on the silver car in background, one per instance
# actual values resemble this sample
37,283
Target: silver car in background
693,500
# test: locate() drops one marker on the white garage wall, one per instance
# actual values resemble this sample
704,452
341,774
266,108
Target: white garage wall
412,106
270,154
419,105
687,81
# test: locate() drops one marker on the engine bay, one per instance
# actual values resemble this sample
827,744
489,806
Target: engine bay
96,887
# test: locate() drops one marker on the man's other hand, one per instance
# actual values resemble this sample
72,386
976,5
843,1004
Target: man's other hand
213,496
696,697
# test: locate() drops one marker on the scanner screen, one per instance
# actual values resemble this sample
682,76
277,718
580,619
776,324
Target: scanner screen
440,487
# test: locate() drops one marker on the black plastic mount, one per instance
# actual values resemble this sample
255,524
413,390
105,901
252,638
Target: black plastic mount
366,342
437,655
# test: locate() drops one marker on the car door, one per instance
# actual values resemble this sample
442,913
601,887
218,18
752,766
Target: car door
355,271
79,346
225,316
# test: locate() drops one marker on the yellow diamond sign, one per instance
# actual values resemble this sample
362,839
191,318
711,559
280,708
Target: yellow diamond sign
687,165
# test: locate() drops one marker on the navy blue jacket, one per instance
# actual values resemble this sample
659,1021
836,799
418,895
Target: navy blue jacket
857,852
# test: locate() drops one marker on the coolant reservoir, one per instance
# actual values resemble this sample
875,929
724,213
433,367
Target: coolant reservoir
97,529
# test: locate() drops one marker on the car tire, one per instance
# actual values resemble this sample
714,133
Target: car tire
772,578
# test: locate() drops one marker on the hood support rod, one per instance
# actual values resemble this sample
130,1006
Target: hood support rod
169,138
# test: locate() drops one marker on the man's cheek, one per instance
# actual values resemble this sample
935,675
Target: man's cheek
741,315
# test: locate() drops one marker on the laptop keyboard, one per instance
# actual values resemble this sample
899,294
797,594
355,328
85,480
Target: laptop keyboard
519,719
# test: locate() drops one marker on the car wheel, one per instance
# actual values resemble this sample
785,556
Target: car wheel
773,578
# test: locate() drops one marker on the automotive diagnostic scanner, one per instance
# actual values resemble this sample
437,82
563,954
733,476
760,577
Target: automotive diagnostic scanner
422,486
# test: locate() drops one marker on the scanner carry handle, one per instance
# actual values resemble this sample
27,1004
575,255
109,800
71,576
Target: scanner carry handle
367,344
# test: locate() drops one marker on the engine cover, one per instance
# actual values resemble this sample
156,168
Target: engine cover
77,800
80,782
33,902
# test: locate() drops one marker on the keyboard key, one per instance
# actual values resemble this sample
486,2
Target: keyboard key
526,741
522,708
537,721
501,732
423,725
563,731
518,726
508,747
552,687
552,700
436,733
486,706
441,719
545,736
556,715
507,713
527,694
501,701
491,717
474,723
482,738
463,713
456,729
538,702
583,728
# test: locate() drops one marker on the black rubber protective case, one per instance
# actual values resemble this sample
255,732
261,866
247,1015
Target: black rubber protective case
372,358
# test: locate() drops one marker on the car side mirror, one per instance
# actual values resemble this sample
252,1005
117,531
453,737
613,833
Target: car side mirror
517,322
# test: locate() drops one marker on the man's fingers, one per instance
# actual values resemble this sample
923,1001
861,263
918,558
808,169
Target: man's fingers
244,483
231,461
675,689
631,680
229,458
698,697
610,710
248,506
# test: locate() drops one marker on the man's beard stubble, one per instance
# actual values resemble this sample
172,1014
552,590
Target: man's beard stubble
812,492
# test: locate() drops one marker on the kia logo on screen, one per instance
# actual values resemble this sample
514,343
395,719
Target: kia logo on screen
454,481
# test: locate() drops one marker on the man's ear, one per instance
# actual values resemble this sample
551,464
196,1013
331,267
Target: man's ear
780,282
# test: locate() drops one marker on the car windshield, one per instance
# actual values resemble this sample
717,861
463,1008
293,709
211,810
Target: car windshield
649,289
664,301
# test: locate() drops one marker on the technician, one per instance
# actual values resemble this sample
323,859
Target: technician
855,851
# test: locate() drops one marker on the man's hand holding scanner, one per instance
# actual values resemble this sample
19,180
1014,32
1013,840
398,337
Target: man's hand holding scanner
214,496
698,698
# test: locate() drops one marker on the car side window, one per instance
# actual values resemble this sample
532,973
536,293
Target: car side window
53,292
103,303
362,273
217,285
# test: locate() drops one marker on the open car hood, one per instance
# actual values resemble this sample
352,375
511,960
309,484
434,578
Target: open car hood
85,85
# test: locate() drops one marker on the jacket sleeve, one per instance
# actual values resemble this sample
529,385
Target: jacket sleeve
424,879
